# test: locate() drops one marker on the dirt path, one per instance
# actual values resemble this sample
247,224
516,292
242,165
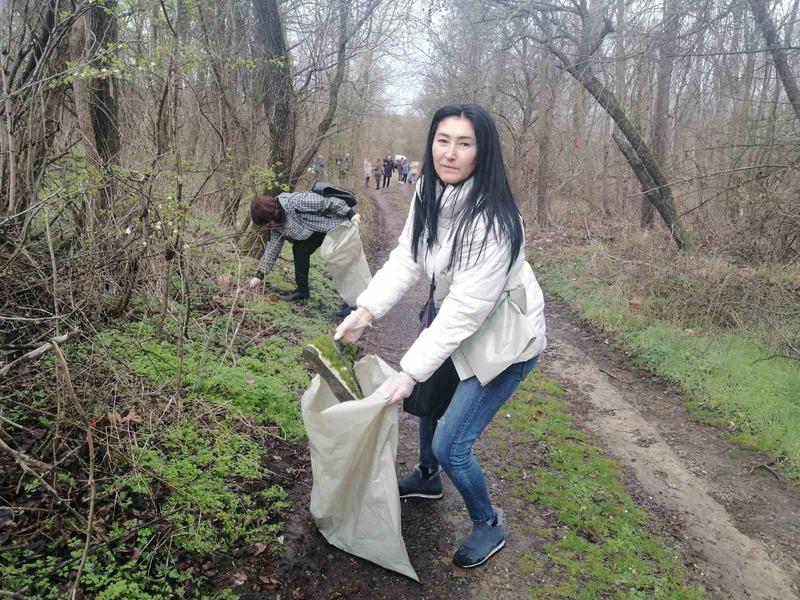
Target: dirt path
740,527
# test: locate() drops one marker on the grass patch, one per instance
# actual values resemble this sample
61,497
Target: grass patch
725,372
599,544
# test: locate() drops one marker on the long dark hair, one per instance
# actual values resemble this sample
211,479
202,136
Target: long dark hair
490,197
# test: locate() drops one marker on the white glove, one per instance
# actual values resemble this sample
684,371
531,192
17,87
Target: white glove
397,388
254,283
353,326
356,219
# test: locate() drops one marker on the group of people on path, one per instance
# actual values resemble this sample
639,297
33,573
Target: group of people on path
464,234
381,171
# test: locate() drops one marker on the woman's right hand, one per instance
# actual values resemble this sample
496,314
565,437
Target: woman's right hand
254,283
353,325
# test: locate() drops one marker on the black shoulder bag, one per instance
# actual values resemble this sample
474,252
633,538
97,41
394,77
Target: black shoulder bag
431,398
323,188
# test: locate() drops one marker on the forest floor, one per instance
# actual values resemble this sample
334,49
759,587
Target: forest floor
706,517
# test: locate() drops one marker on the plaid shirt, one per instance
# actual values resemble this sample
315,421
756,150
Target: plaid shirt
306,212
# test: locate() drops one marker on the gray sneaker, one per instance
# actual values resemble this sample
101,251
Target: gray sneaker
421,484
485,540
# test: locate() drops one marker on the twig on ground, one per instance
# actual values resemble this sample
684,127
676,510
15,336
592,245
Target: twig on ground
767,467
13,424
613,376
786,356
90,519
38,352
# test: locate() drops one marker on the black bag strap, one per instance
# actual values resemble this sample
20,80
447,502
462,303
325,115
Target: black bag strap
432,287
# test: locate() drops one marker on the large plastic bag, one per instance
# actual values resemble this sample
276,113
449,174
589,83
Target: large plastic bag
354,499
344,257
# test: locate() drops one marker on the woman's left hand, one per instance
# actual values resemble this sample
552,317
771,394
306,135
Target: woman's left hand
356,219
398,388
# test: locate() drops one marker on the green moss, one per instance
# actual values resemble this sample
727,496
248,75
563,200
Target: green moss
255,395
600,545
198,464
340,356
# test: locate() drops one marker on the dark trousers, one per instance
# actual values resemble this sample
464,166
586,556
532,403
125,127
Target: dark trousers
387,179
302,251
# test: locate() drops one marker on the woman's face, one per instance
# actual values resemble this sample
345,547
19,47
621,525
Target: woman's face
454,150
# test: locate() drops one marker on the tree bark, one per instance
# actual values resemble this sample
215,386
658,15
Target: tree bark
278,94
761,13
93,37
660,122
545,136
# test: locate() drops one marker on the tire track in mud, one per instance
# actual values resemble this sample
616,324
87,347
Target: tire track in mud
741,524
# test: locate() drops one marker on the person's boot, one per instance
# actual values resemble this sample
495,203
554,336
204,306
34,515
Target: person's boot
485,540
344,310
296,296
422,483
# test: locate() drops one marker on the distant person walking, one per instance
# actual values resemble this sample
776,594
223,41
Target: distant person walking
318,166
367,172
413,173
388,167
377,173
406,170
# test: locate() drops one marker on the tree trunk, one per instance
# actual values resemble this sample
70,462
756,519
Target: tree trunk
660,122
620,87
545,135
94,36
278,93
343,9
761,13
663,202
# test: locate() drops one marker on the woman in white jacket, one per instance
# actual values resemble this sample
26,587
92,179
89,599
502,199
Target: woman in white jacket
464,228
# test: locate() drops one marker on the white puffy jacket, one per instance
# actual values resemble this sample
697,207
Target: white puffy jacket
465,295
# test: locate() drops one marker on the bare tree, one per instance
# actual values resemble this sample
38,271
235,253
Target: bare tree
761,13
661,111
92,44
574,33
548,110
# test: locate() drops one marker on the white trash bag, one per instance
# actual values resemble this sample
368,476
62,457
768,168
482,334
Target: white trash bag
354,500
344,258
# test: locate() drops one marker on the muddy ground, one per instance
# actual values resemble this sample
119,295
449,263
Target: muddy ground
738,521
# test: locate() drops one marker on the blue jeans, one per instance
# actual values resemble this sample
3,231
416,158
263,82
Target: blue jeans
448,441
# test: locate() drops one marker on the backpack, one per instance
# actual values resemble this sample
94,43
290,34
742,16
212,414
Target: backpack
323,188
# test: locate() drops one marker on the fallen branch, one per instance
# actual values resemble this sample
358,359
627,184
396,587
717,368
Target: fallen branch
90,519
786,356
25,462
38,352
62,362
21,457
